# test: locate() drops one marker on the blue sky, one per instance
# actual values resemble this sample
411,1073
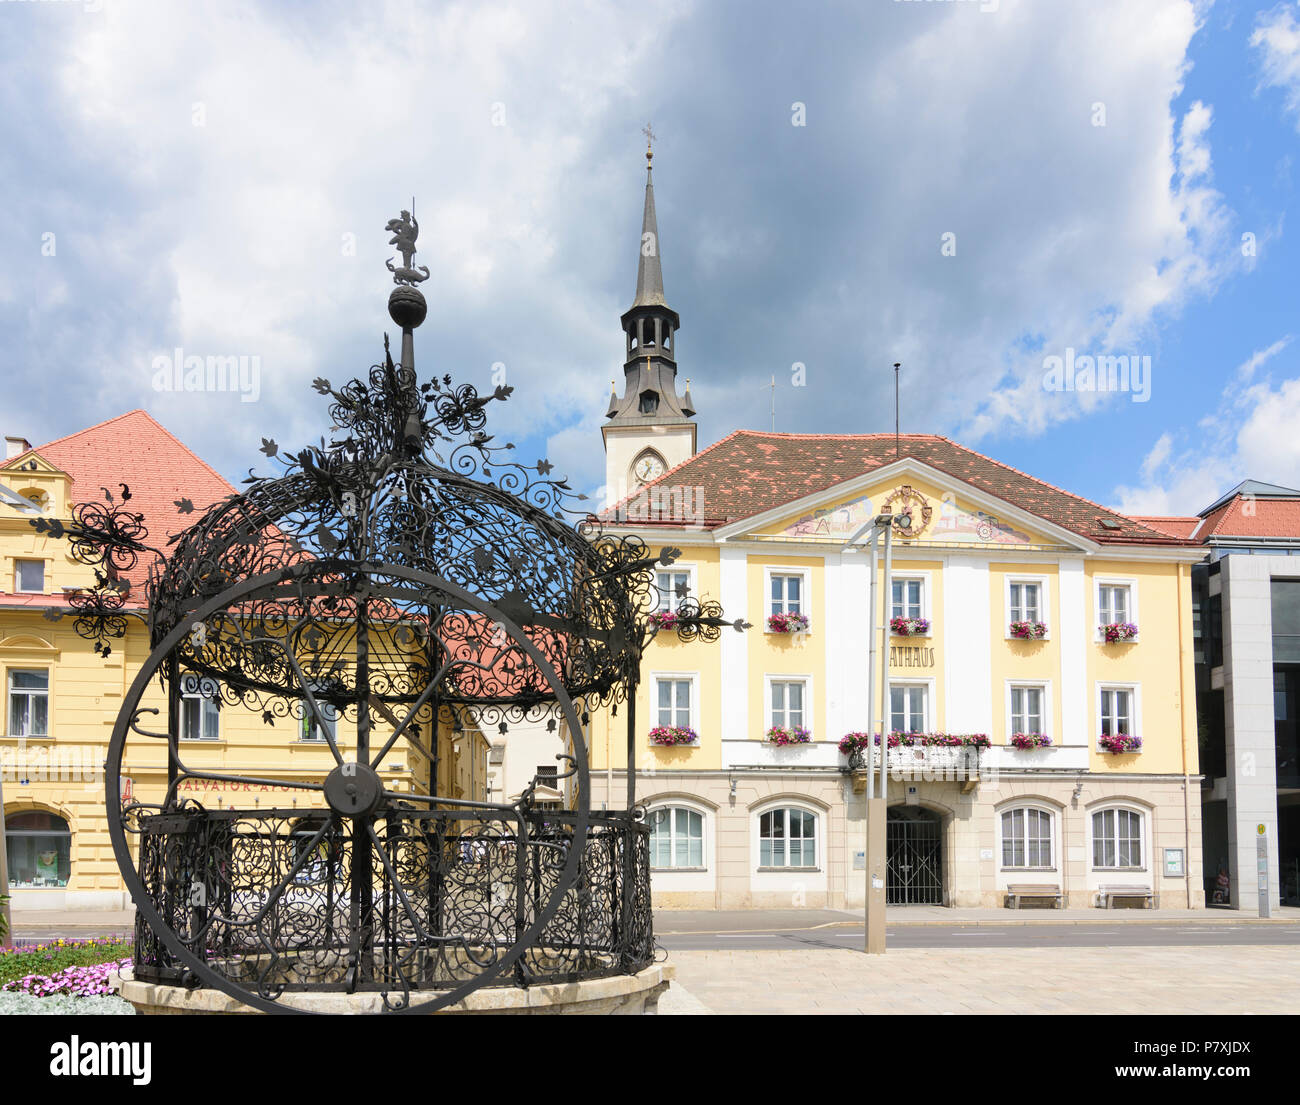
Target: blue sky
217,178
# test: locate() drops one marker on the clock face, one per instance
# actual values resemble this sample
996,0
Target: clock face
648,468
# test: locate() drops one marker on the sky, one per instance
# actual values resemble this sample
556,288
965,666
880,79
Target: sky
994,193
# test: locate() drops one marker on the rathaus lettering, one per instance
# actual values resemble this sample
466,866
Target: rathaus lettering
911,656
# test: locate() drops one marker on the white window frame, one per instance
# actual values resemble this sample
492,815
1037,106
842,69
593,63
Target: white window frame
1144,835
670,601
180,705
927,684
45,571
784,677
693,677
923,577
28,692
1135,724
805,601
671,804
1044,602
1054,821
1098,582
307,722
1044,685
819,835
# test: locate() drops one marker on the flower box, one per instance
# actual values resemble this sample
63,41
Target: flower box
1026,741
1119,743
674,735
781,735
909,627
1028,631
937,740
854,742
1119,632
787,623
663,619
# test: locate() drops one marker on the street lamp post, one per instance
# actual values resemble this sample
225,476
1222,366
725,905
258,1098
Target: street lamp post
877,802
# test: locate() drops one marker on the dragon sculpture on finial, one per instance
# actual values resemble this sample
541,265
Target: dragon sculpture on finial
405,230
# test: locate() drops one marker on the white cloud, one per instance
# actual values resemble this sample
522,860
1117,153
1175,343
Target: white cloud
1277,40
1250,435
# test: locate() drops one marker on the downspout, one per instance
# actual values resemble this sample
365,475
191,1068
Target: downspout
1182,735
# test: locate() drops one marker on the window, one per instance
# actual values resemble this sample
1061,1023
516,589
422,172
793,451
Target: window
1025,600
1027,710
1026,838
674,588
29,577
676,837
906,598
311,728
907,708
786,593
1116,711
38,846
200,708
787,702
1114,603
1117,838
673,702
787,838
29,703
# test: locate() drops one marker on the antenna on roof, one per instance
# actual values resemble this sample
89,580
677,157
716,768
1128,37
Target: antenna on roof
897,366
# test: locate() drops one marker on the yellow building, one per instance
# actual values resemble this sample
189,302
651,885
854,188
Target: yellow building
1003,586
62,697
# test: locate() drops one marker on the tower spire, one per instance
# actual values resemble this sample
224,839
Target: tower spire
649,272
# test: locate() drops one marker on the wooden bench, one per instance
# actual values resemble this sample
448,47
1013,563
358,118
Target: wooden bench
1106,895
1034,890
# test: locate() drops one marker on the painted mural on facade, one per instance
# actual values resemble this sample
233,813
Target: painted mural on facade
952,523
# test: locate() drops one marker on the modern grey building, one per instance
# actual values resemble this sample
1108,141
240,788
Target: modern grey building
1246,603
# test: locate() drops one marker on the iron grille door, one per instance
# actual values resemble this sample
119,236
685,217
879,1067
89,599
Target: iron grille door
913,875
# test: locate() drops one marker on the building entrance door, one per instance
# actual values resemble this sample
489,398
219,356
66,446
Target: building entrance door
914,874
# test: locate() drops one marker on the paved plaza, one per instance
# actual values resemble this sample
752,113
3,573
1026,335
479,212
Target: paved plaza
1013,981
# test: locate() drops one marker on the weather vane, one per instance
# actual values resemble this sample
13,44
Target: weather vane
405,230
649,142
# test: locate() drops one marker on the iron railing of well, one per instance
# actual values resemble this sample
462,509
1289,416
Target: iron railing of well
266,898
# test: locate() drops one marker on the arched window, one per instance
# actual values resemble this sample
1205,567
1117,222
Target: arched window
676,837
787,837
1027,837
1117,839
38,846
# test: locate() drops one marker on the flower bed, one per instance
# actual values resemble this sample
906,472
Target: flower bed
908,627
1119,743
787,623
63,966
673,735
788,734
663,619
1029,631
1026,741
1118,632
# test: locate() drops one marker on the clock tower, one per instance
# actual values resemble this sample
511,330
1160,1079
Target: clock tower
650,428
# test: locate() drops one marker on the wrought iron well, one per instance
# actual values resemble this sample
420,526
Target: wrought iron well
405,573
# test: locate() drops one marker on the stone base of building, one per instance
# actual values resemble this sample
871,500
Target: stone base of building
621,995
25,899
964,820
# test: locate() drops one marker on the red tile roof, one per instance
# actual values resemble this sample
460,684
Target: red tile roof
1176,525
1253,517
135,450
749,472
